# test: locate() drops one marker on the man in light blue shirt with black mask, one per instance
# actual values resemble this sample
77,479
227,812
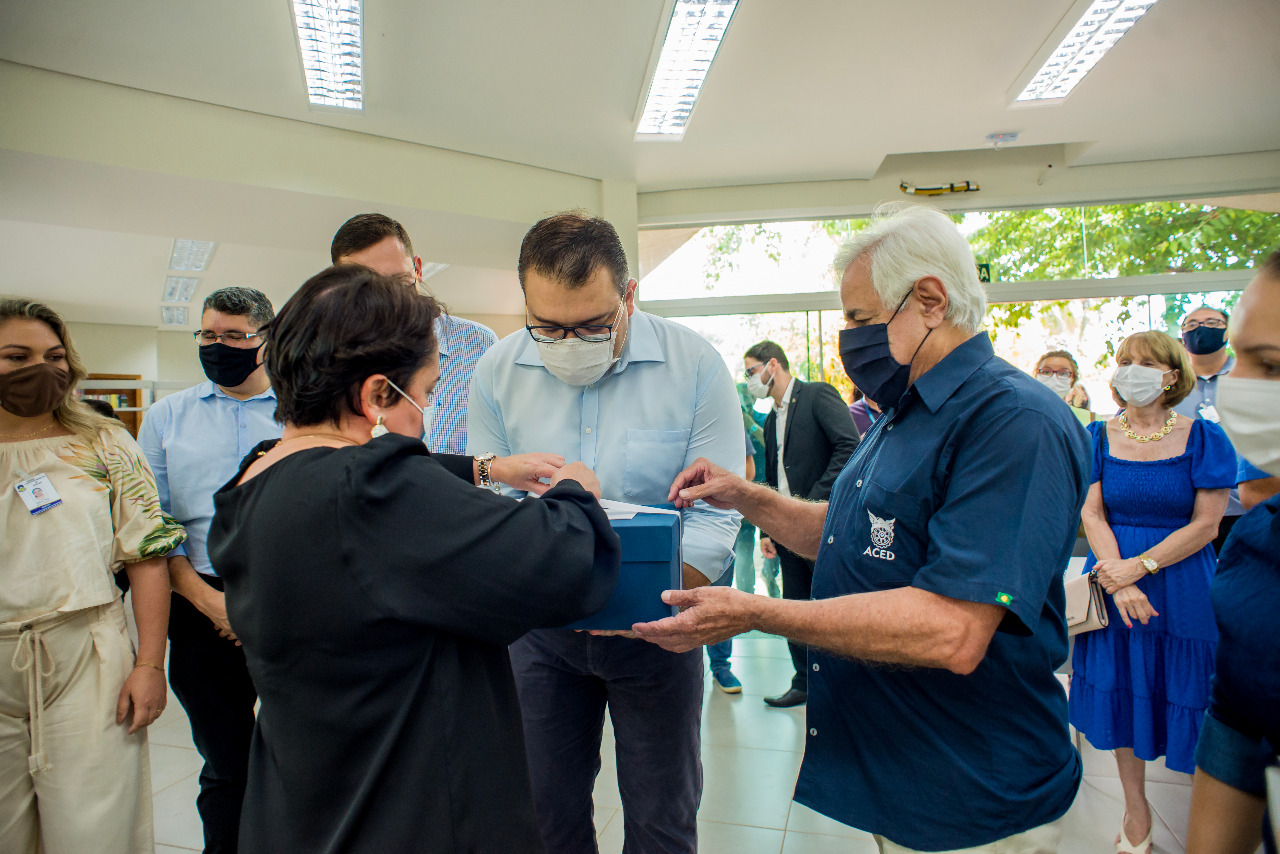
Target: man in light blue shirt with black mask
636,398
194,441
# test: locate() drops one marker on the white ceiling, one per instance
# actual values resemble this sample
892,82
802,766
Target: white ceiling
823,90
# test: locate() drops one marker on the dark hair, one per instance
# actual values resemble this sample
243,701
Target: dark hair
344,325
570,247
101,407
1222,311
1271,266
242,302
766,350
364,230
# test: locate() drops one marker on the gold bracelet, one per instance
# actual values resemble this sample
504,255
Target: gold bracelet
148,664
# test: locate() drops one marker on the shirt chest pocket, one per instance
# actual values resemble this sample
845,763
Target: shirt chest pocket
891,535
653,459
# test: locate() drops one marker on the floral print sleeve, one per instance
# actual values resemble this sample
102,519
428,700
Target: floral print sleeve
142,529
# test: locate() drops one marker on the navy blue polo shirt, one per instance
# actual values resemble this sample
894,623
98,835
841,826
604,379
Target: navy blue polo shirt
971,489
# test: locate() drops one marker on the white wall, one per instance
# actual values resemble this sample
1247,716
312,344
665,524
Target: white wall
178,358
502,324
108,348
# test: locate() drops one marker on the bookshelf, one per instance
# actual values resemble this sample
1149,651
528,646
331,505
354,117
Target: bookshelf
126,393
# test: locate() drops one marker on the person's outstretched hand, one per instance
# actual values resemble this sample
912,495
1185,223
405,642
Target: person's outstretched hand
526,471
580,473
710,615
707,481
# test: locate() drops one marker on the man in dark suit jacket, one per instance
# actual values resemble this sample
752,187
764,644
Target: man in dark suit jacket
818,437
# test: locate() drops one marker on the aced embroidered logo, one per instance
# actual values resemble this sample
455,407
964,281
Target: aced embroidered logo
881,537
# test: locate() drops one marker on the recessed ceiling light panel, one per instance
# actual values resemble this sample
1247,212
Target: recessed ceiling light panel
174,315
1097,31
329,38
694,34
179,288
191,255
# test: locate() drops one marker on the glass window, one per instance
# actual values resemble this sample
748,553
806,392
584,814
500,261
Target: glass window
1089,329
1099,241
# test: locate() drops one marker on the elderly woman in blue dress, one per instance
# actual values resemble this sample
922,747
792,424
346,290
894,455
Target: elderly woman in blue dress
1141,685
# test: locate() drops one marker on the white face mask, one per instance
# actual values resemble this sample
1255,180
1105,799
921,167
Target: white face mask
1138,385
577,362
427,412
1250,412
1058,385
757,387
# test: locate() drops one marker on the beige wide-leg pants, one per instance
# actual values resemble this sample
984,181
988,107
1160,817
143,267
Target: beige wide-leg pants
71,780
1038,840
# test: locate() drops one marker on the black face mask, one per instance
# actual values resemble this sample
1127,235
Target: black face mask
228,366
867,359
1204,340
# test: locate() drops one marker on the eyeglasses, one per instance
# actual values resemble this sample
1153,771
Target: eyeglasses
592,334
1065,372
1212,323
752,371
231,339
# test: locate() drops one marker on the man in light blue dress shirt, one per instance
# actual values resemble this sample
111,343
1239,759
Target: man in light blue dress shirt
381,244
1204,337
636,398
194,441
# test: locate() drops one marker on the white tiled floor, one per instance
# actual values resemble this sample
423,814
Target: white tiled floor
751,755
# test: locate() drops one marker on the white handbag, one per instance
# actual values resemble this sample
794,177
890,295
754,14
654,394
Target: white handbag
1086,604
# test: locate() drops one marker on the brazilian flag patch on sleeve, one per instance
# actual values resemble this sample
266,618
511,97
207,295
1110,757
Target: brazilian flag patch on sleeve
1003,598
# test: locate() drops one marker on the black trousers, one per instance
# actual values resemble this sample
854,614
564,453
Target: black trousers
210,679
797,581
1224,530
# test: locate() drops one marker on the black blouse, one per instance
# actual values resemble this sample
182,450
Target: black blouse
375,593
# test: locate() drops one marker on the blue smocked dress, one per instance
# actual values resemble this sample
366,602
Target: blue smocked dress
1147,687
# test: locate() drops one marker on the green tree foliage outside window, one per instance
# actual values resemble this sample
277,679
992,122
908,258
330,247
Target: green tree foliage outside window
1103,241
1119,240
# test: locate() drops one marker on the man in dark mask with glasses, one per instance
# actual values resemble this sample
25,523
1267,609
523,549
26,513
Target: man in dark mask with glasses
194,441
935,720
1204,336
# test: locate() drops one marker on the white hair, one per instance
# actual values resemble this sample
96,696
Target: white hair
906,243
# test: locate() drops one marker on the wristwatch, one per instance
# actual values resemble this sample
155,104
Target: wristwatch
1149,564
484,462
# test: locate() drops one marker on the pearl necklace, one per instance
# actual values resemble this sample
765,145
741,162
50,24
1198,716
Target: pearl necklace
1154,437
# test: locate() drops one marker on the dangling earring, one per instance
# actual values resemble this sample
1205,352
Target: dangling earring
379,429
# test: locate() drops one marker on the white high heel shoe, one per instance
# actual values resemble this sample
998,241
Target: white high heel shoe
1124,846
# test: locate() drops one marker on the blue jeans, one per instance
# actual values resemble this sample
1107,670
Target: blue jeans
744,559
565,680
718,653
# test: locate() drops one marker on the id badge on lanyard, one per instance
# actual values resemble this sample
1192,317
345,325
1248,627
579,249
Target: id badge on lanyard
38,494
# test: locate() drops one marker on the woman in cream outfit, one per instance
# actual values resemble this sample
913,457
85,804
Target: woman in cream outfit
75,701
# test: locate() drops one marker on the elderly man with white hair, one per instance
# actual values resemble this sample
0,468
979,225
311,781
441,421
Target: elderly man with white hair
935,721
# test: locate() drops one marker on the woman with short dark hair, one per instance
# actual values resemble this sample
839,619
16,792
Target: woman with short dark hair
375,590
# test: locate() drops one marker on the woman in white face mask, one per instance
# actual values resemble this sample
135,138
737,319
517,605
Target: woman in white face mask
1241,731
1058,370
1140,685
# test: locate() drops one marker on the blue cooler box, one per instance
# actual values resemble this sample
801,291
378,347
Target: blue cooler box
650,564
